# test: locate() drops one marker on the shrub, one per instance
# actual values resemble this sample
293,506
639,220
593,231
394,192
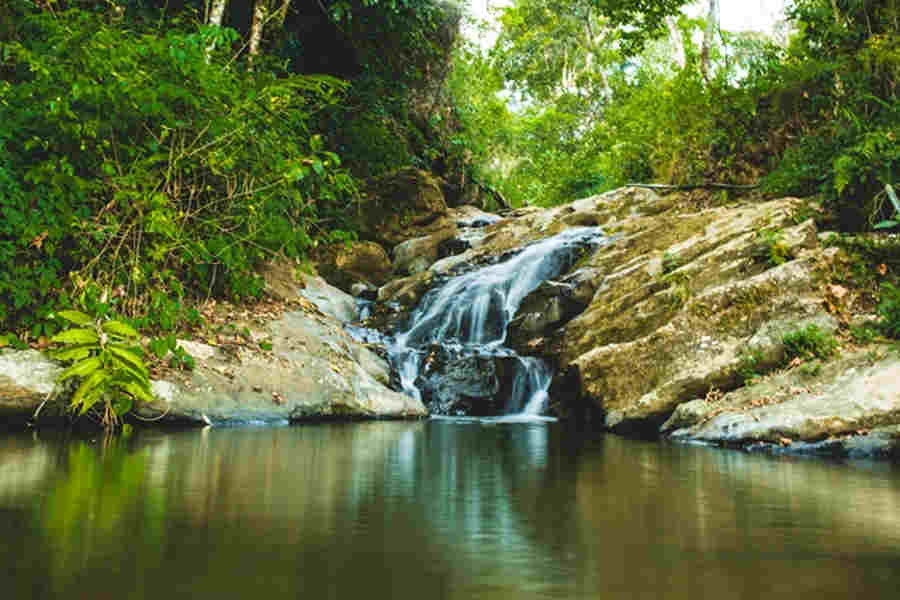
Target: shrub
108,365
129,163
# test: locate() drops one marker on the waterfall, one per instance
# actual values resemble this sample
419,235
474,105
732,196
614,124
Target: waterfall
453,344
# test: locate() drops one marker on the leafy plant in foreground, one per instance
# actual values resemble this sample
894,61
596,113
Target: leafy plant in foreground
107,363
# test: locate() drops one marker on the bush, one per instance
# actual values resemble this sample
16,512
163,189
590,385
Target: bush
129,163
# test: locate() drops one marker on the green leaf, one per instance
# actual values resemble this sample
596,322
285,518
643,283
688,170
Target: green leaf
81,369
122,405
130,373
74,316
127,356
120,328
74,353
90,390
886,224
139,392
76,336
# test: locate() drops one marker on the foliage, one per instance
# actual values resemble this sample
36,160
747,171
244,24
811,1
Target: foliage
836,93
106,363
206,169
809,342
895,220
750,367
774,251
889,310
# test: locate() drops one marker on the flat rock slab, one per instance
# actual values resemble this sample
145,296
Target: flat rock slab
851,408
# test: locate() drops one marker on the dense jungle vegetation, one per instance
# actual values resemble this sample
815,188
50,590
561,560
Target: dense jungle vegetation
155,152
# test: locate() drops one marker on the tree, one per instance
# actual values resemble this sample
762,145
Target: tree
712,25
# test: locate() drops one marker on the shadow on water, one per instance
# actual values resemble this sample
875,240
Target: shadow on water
436,509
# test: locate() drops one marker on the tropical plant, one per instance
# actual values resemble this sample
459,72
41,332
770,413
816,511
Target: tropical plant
895,220
107,364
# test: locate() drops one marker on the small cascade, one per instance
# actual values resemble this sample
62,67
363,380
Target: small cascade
452,347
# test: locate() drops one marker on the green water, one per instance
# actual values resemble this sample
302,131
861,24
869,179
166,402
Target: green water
432,510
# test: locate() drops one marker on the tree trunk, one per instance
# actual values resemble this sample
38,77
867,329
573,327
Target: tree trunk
677,42
260,8
712,24
216,14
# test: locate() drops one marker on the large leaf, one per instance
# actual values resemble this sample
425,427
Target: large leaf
122,405
89,390
128,357
129,373
139,392
121,329
75,352
76,336
81,369
77,317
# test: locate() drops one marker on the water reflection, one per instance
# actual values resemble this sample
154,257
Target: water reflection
435,509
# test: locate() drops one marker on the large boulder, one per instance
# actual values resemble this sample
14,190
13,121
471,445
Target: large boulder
402,205
416,255
344,265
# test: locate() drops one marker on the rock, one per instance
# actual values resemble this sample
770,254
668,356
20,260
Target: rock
416,255
26,379
286,283
456,384
403,205
408,290
853,394
314,371
350,264
471,216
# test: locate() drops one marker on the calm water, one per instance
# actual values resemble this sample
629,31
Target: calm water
432,510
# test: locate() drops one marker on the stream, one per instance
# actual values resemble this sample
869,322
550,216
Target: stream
436,510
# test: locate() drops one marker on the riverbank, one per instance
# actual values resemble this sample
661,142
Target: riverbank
700,319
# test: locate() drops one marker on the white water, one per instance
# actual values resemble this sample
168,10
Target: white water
470,313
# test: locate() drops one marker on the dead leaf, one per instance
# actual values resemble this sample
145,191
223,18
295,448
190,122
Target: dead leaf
838,291
38,241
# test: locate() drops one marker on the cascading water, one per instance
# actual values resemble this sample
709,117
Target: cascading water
463,324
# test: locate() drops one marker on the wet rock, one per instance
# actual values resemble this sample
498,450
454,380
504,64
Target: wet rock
407,290
455,383
416,255
471,216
